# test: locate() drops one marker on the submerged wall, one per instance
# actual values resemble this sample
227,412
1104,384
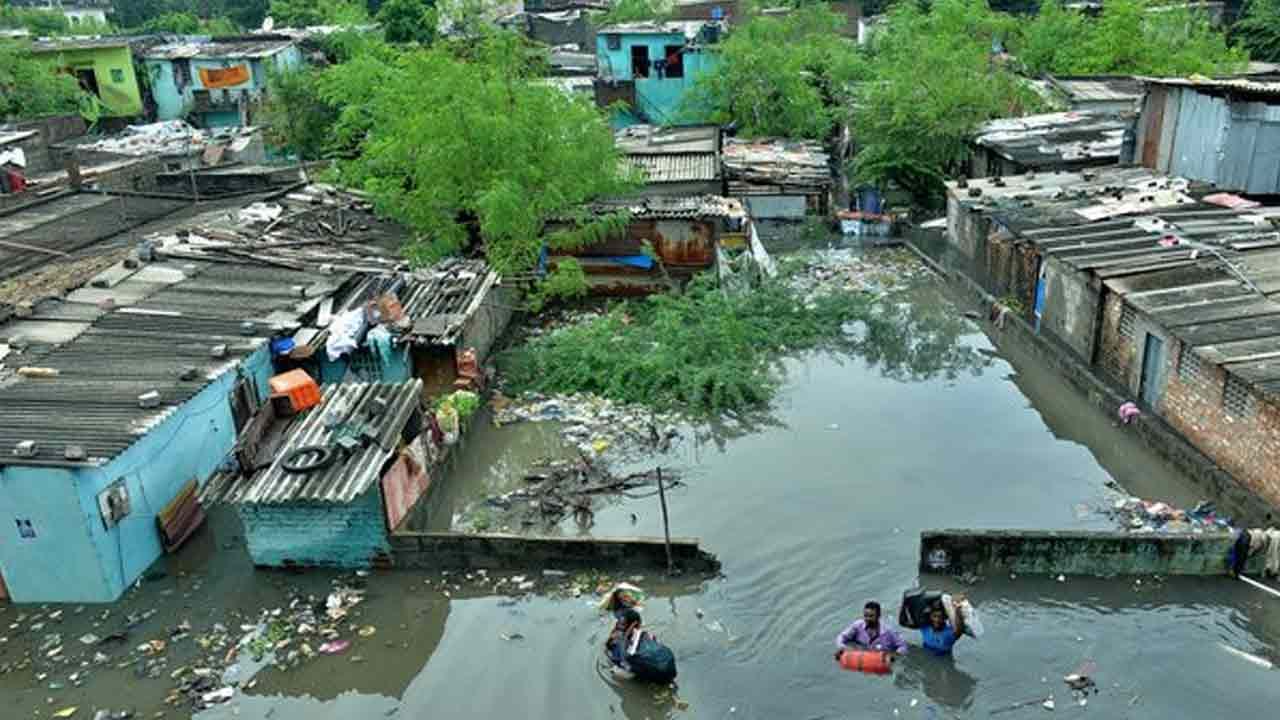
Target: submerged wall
495,551
314,534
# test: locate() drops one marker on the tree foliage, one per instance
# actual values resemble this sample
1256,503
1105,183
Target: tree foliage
30,88
185,23
627,11
34,20
405,21
306,13
461,143
297,117
783,75
933,80
246,14
1258,30
1130,37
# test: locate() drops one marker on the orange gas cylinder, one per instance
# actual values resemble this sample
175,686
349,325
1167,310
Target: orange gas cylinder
867,661
298,386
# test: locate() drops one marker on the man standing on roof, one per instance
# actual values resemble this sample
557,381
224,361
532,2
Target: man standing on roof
870,634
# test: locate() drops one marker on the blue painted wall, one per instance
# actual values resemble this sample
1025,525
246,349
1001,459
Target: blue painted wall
174,102
317,534
658,99
74,558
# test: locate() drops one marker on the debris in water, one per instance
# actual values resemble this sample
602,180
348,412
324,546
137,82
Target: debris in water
368,631
1048,704
1259,661
66,712
334,647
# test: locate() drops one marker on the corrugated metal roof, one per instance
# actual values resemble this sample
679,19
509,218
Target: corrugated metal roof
666,207
1219,84
682,167
78,43
439,299
777,163
688,28
1098,88
384,409
213,50
668,140
1052,139
161,337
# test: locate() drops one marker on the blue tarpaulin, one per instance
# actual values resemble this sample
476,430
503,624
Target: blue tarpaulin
644,262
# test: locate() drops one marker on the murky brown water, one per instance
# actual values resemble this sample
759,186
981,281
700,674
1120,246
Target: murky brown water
811,516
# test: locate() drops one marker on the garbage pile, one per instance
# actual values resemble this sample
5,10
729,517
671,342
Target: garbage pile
556,490
593,424
845,270
1146,516
170,137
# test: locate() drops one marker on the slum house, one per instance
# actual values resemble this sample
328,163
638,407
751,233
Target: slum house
216,83
1223,132
339,479
569,27
1042,143
1096,94
675,160
777,178
1161,286
102,65
175,146
115,403
652,66
438,323
666,240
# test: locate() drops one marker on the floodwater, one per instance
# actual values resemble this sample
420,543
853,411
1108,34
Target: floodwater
812,513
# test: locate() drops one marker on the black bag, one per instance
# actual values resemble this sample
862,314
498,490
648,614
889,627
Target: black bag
914,613
653,662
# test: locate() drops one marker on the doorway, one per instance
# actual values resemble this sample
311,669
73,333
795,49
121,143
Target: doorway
1151,386
639,61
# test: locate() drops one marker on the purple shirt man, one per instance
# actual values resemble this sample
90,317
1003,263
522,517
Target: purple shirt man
870,634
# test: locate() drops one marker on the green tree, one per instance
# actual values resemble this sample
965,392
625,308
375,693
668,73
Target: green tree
38,22
1258,30
304,13
1129,37
298,118
468,147
406,21
185,23
785,75
30,88
626,11
934,79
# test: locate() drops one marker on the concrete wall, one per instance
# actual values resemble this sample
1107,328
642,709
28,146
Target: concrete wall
490,321
1078,552
1070,307
113,71
318,534
659,100
497,551
60,563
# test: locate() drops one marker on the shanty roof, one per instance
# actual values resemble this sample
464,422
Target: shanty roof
379,411
697,207
1098,88
1238,85
569,62
1054,139
174,328
683,167
775,165
78,43
688,28
215,49
668,140
8,137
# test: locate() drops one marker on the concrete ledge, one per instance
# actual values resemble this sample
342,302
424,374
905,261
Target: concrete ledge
495,551
1076,552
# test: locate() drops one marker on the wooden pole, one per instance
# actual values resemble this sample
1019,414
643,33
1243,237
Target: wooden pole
666,524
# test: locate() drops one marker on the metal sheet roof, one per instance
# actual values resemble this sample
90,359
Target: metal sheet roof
385,409
438,300
1098,88
666,207
684,167
161,337
777,162
78,43
688,28
1228,85
1054,139
215,50
668,140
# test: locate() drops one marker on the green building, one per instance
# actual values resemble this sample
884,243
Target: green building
104,67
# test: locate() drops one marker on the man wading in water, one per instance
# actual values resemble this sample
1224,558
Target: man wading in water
870,634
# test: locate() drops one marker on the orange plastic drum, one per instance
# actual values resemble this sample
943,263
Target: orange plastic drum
867,661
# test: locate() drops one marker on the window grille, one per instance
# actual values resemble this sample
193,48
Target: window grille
1236,398
1188,364
1126,322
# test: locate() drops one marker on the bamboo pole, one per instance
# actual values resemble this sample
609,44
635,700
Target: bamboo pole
666,524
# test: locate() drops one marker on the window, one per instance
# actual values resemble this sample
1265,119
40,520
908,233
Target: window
1188,364
117,75
674,56
639,61
1126,322
1236,398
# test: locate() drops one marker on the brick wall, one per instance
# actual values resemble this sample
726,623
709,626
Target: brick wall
1243,440
1116,352
318,534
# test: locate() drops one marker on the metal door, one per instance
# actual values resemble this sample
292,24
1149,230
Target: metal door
1153,367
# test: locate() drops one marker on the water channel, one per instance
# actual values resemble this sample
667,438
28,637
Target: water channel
811,515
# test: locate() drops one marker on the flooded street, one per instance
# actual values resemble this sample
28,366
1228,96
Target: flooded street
812,513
